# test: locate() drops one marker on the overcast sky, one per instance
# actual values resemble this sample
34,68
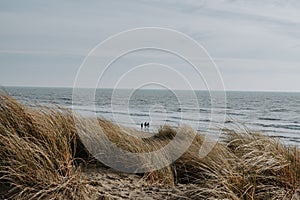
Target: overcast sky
255,43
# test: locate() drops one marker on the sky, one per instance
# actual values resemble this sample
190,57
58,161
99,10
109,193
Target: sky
255,44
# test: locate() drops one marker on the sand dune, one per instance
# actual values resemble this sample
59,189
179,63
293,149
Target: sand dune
44,156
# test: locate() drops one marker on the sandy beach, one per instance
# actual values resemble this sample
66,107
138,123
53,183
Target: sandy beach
110,184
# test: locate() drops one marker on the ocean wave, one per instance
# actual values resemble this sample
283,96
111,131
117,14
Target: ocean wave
268,119
279,110
235,114
288,126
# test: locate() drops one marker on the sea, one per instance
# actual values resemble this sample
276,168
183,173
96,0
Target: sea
276,114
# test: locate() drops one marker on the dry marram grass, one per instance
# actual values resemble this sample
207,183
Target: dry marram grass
41,150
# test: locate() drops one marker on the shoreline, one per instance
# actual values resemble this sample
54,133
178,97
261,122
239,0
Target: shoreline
274,117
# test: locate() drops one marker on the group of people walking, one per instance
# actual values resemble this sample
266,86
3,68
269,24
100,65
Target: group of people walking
145,125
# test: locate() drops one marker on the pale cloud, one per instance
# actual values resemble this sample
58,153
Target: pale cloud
250,40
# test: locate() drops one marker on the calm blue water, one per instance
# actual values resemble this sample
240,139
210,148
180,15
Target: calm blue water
275,114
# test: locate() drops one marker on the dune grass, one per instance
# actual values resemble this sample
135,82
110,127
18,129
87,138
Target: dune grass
41,152
37,153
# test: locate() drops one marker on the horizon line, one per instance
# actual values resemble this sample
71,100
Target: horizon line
110,88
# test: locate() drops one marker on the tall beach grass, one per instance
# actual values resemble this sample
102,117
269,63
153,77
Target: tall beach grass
42,152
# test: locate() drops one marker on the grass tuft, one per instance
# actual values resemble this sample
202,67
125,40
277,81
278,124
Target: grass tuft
37,153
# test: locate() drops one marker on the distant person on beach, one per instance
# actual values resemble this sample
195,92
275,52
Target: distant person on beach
145,125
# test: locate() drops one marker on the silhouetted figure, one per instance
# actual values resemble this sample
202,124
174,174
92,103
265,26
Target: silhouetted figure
146,124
